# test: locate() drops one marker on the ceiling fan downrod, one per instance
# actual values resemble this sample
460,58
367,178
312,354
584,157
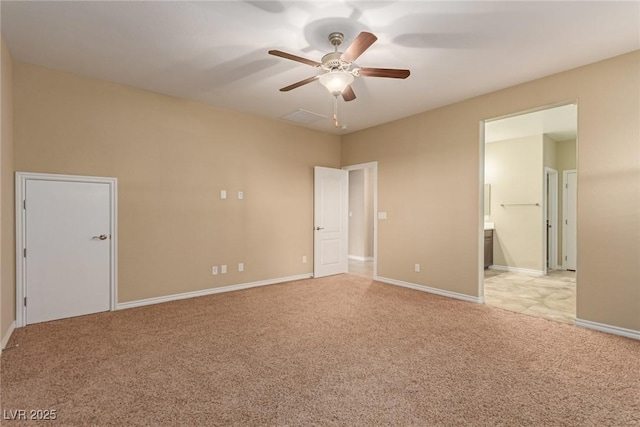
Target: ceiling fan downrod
336,40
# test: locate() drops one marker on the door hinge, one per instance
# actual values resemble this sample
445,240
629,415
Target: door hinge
566,221
24,252
24,204
25,301
565,257
566,186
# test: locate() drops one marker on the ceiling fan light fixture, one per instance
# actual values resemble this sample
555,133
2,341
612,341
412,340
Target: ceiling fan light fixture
336,81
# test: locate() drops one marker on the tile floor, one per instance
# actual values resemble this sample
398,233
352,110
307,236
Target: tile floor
552,296
361,268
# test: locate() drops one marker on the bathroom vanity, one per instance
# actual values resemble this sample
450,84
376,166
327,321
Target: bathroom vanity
488,244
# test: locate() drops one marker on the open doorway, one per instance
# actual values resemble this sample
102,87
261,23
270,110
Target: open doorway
526,223
362,220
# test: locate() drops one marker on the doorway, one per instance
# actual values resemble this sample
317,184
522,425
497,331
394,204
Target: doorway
336,205
65,246
523,157
362,219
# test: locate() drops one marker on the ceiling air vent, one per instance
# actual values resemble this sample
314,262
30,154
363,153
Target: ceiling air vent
304,116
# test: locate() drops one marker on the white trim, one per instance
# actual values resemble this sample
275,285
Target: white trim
442,292
374,177
361,258
528,271
482,214
20,185
615,330
550,177
210,291
7,336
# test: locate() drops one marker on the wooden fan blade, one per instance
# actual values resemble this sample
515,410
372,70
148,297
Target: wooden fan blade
298,84
359,45
286,55
393,73
348,94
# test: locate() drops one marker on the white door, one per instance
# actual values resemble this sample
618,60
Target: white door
67,237
331,215
570,213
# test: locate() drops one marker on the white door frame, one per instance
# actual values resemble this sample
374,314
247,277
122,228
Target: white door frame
481,216
21,185
550,204
373,167
565,210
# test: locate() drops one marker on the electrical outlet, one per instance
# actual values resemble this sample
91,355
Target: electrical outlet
240,266
416,268
214,270
223,269
304,259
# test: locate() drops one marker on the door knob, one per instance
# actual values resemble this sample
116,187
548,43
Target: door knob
319,228
100,237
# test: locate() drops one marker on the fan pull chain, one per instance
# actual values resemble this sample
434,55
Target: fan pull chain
335,111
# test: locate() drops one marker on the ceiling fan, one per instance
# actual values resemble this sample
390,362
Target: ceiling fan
338,74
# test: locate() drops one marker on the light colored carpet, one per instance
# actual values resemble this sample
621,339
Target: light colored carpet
341,350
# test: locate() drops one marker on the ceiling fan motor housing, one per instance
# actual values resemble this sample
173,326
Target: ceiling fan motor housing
333,61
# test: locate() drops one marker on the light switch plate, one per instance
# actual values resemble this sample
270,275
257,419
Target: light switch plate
223,194
240,195
382,215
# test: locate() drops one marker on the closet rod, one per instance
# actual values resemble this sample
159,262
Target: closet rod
519,204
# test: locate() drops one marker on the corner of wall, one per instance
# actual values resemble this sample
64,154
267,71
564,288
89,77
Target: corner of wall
7,203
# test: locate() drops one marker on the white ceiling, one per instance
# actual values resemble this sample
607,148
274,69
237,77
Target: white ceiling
559,123
216,51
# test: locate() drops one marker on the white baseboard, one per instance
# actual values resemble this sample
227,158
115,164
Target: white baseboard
210,291
7,336
463,297
616,330
528,271
361,258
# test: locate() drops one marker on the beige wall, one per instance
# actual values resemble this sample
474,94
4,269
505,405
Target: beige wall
7,204
429,179
172,157
514,170
550,152
425,185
